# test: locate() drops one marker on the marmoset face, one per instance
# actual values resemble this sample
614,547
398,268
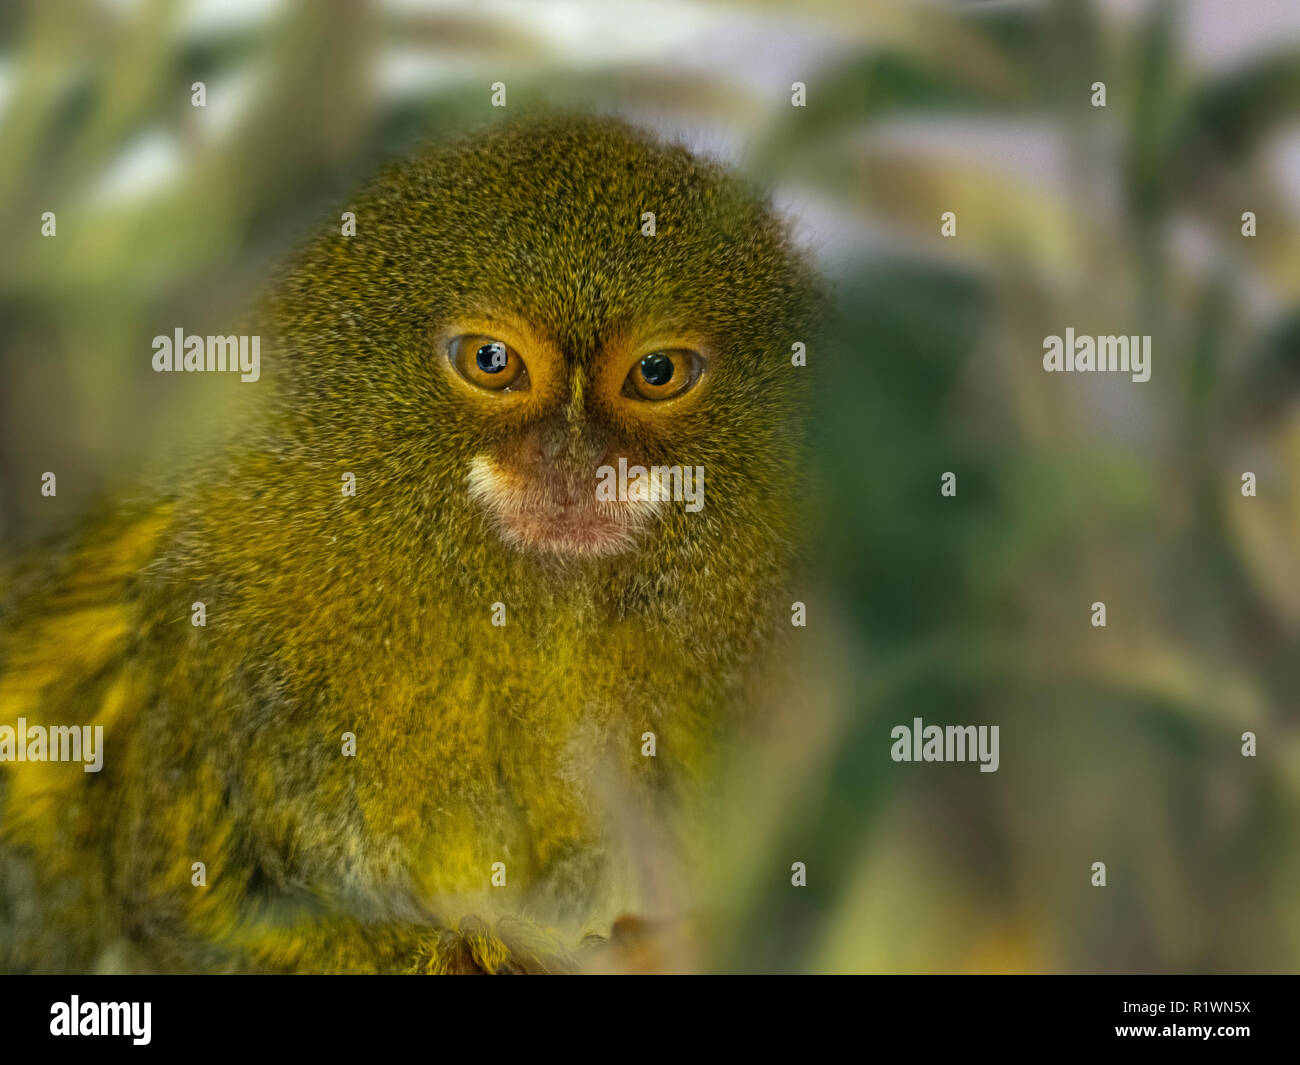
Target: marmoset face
552,484
567,332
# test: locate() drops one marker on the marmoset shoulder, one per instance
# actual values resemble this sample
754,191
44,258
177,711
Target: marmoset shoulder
523,488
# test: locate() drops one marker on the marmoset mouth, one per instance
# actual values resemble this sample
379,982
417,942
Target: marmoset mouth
548,511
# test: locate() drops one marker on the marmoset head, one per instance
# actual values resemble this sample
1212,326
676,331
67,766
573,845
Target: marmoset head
518,312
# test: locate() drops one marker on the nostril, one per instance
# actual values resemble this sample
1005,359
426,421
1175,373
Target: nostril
550,446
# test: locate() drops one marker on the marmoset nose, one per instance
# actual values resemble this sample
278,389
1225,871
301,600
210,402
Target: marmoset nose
574,449
552,441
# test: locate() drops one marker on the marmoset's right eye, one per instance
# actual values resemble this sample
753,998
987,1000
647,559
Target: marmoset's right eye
487,363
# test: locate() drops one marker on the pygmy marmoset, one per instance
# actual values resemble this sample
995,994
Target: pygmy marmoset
392,743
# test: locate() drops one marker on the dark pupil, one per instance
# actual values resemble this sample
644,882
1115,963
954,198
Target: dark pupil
657,369
491,358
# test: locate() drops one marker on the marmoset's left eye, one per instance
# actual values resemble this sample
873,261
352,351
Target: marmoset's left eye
663,374
488,363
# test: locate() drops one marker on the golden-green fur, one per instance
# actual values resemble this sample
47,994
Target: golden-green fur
372,615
